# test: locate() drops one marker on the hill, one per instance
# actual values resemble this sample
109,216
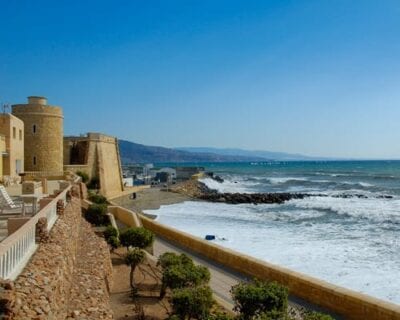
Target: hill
265,155
131,152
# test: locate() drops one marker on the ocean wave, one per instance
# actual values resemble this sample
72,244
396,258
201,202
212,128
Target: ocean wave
282,180
231,186
372,208
345,248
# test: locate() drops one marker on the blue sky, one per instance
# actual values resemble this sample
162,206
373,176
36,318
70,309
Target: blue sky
316,77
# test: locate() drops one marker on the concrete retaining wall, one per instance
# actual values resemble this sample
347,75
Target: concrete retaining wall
126,216
350,304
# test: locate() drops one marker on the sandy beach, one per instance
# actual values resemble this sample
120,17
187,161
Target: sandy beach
151,199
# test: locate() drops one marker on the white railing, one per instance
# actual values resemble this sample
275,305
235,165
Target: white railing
18,248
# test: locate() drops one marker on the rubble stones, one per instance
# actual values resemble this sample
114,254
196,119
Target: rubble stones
42,235
7,299
60,207
67,277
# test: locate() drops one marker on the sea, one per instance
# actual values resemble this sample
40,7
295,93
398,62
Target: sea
350,237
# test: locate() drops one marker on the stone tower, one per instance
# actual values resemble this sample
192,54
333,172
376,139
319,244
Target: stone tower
43,135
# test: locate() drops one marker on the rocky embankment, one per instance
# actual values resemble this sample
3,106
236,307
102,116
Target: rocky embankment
198,190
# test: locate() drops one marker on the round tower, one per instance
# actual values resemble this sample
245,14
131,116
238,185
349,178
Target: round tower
43,134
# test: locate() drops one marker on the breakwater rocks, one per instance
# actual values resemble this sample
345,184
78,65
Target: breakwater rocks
255,198
259,198
197,189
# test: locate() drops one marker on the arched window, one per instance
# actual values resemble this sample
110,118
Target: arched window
34,128
34,160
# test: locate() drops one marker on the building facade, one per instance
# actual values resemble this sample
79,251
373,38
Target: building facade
98,155
3,152
43,135
13,158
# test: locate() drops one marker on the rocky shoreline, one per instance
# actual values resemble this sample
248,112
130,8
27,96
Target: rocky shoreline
198,190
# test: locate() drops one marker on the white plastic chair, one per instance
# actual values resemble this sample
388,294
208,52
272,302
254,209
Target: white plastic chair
7,205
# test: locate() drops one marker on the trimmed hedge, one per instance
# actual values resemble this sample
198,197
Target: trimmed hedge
136,237
97,214
192,302
260,298
98,198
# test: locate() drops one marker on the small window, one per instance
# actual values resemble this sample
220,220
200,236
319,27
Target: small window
34,160
14,132
34,128
20,134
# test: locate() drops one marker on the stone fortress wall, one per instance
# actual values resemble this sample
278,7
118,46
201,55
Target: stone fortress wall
43,134
97,155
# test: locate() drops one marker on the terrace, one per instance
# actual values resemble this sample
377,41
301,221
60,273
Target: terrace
18,228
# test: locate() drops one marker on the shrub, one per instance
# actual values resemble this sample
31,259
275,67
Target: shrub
98,198
113,242
133,258
259,297
136,237
168,259
183,275
97,214
220,316
272,315
317,316
110,231
94,183
194,302
83,175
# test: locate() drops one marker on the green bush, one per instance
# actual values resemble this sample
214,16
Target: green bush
113,242
260,298
97,214
168,259
94,183
98,198
83,175
192,302
136,237
317,316
272,315
133,258
220,316
183,275
110,231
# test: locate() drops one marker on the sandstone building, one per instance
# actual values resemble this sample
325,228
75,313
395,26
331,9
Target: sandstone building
3,153
97,155
12,129
43,135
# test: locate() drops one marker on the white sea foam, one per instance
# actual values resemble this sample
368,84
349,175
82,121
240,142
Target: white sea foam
377,210
281,180
334,239
365,184
231,186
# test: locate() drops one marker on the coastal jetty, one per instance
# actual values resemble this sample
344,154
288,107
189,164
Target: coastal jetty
199,190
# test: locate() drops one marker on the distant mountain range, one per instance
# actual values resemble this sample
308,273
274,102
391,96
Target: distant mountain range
131,152
266,155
